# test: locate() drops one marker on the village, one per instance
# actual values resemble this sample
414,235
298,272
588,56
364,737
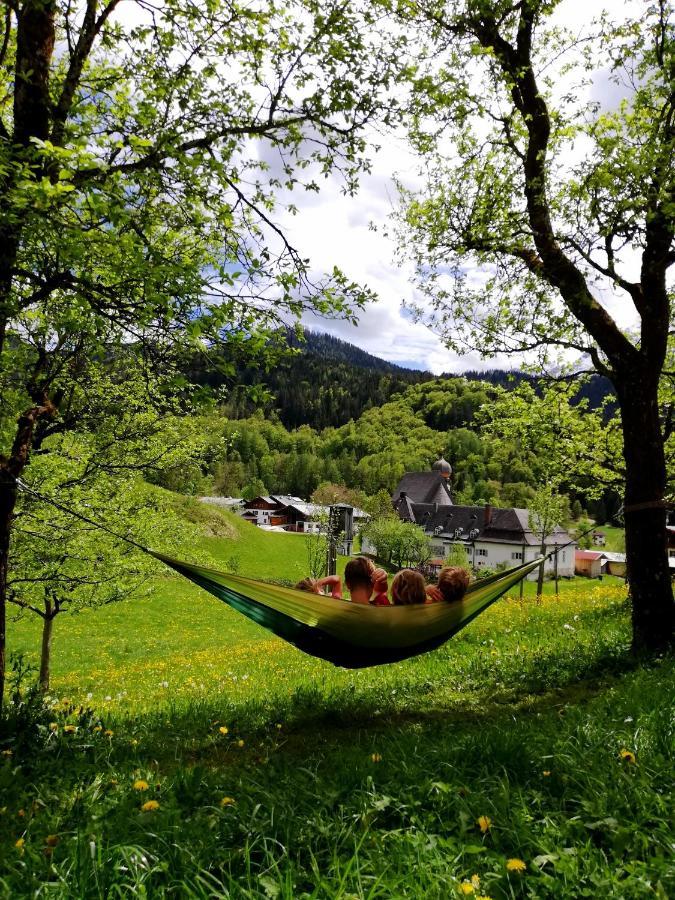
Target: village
493,538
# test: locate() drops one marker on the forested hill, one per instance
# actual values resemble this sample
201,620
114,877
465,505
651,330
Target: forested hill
329,382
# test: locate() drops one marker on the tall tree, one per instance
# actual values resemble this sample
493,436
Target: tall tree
142,147
541,205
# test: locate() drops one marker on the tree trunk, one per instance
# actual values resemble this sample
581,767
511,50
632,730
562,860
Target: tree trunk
540,576
7,504
645,514
46,649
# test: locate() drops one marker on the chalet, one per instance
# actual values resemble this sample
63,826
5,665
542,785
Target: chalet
268,511
589,563
290,513
599,538
491,536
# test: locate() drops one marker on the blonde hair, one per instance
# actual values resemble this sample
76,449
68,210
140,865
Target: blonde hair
359,573
408,587
453,582
308,584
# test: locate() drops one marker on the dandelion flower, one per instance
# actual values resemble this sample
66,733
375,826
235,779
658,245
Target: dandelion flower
108,733
69,729
150,806
279,726
19,843
376,757
98,728
7,753
484,823
627,756
240,743
483,897
133,742
546,773
227,801
53,726
52,840
141,785
466,888
223,729
515,865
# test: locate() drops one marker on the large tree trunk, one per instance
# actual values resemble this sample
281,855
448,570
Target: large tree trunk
645,514
46,649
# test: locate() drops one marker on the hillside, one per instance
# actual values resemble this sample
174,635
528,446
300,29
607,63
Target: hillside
326,382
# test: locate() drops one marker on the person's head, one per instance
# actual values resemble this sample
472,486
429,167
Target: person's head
359,573
308,584
453,582
408,587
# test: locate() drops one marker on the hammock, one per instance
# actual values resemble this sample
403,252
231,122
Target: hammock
350,635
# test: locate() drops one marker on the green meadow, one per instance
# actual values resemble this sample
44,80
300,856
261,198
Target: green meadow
187,753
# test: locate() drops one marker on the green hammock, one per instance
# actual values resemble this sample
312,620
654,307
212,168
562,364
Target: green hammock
350,635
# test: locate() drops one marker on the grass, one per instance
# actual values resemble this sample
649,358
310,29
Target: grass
279,776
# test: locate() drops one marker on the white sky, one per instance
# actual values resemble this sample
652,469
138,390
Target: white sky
335,230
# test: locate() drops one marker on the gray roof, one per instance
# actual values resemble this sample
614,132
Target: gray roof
610,556
424,487
491,524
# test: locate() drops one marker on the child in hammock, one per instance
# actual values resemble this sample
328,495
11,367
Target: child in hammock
316,585
452,584
408,587
366,583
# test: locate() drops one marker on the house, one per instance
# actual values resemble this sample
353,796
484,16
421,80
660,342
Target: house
589,563
599,538
614,563
268,511
491,536
291,513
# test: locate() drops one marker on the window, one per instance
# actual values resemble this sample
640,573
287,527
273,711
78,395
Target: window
517,554
480,551
564,555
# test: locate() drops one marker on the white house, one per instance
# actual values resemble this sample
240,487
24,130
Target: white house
491,536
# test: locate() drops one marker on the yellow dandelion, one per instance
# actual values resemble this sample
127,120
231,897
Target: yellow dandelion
546,773
240,743
376,757
466,888
483,897
133,742
279,726
224,729
108,733
19,843
515,865
627,756
52,840
484,823
98,728
7,753
150,806
69,729
141,785
53,726
227,801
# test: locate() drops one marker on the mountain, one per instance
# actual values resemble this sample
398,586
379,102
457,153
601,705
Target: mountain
329,381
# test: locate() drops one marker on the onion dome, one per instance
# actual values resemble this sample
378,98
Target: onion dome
443,467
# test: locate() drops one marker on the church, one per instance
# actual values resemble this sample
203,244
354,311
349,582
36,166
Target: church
490,535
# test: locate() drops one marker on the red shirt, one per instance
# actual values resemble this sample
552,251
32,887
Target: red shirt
380,600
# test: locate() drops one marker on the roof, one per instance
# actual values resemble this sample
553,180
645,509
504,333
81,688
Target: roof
614,557
591,555
481,523
424,487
